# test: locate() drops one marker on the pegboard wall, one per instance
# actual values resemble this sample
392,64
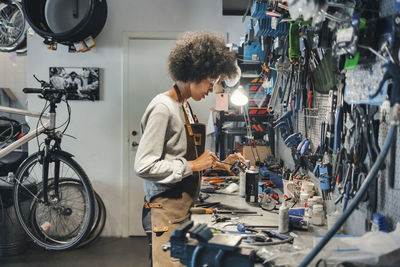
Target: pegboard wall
388,198
313,120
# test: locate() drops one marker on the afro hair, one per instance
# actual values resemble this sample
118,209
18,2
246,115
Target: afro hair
201,55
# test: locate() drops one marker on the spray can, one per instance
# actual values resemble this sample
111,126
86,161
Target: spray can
252,185
283,225
242,181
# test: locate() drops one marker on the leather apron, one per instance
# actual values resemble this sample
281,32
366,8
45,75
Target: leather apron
172,208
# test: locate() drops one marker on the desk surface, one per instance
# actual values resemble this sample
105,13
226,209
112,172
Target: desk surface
303,240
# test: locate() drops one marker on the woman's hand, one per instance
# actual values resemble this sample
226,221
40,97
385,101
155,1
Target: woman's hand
234,157
230,159
206,160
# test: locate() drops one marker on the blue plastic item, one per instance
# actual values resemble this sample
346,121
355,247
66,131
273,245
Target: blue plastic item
380,221
253,52
324,182
298,222
297,212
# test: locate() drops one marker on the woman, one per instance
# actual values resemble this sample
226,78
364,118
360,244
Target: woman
171,155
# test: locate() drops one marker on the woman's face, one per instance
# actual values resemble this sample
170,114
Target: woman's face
200,90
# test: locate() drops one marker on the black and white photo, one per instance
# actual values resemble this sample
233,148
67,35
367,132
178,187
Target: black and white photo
83,81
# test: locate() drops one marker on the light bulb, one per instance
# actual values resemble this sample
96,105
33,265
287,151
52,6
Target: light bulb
239,97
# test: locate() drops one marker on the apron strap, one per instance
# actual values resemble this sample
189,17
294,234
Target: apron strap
180,98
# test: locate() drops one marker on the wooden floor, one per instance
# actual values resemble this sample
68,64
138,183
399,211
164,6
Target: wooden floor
114,252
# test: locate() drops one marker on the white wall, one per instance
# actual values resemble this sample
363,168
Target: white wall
13,74
98,125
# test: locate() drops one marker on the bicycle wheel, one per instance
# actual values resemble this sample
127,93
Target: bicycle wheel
63,221
99,215
12,26
99,224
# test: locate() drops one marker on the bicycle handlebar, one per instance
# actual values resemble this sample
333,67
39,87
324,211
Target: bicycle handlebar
83,94
32,90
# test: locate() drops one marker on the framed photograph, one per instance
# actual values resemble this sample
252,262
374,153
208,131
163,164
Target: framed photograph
84,81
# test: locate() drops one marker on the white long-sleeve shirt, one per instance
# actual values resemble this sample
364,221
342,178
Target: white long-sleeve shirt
160,154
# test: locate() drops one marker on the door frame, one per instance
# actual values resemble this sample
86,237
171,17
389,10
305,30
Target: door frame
127,164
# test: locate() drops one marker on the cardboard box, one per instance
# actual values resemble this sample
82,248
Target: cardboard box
262,152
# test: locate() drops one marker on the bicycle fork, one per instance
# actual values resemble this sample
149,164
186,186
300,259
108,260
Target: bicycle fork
45,173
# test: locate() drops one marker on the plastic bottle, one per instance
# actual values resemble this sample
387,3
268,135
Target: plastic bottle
303,199
283,225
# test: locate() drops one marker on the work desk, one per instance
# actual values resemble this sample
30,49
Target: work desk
303,239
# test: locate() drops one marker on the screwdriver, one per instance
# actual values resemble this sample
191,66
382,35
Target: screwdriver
199,210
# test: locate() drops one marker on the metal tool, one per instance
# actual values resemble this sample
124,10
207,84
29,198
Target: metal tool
242,227
237,167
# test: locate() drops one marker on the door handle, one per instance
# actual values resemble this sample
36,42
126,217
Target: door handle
134,143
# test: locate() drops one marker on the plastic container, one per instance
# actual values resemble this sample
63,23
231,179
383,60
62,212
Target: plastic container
318,215
303,199
311,202
318,200
331,219
307,187
283,225
297,212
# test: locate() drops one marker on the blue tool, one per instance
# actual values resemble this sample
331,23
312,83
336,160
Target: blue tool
293,140
242,227
346,195
209,250
302,148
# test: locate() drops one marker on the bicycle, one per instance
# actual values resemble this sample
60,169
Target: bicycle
53,197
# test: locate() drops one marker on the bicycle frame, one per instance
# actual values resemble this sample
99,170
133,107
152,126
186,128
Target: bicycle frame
49,125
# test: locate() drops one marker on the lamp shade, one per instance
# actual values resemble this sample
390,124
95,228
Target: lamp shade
239,96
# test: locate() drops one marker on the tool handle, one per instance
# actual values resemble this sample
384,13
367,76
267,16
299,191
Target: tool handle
197,210
294,41
346,196
277,235
338,129
309,99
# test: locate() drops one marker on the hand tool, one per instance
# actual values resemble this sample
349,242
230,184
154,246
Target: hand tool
322,139
330,131
217,218
255,240
237,212
272,101
293,140
344,184
199,210
294,42
236,167
242,227
215,180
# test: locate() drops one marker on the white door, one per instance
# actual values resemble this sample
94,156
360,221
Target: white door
145,77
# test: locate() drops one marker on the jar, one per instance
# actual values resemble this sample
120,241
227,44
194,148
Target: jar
318,214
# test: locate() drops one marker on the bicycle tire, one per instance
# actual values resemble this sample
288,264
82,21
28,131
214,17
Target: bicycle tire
14,34
28,193
98,227
99,217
